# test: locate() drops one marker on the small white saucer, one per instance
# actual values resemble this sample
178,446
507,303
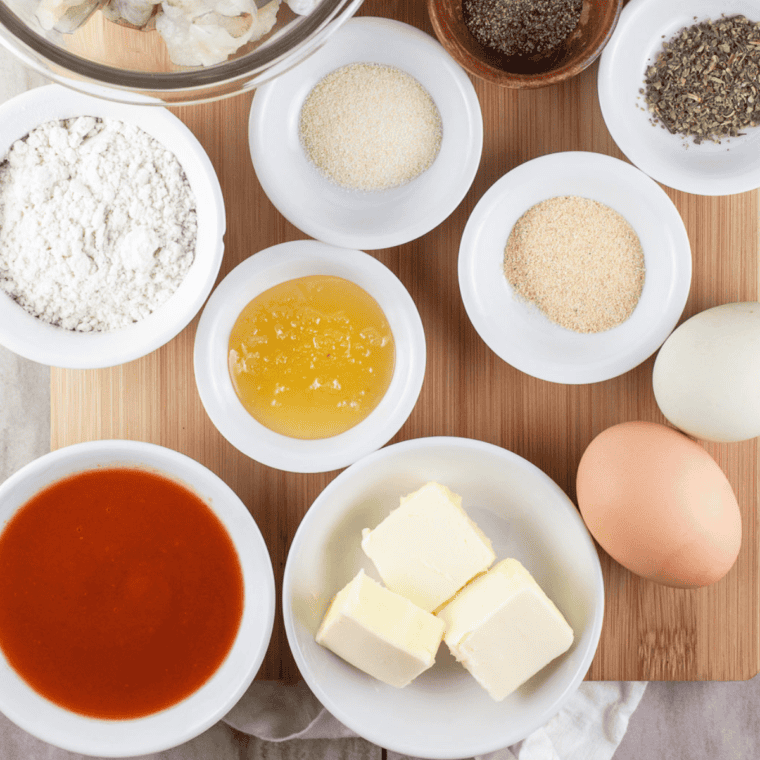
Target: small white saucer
264,270
367,220
518,331
443,713
706,169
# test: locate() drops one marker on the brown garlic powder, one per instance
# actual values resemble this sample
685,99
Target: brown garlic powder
578,261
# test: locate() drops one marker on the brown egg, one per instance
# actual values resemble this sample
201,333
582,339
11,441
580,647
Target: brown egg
658,503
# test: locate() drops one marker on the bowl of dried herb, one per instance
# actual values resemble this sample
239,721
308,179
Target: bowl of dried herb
524,44
679,89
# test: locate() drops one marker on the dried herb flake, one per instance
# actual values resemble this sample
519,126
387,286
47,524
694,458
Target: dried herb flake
703,84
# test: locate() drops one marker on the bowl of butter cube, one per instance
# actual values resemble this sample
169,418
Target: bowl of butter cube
443,598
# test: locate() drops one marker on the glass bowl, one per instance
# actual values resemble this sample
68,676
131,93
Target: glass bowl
122,63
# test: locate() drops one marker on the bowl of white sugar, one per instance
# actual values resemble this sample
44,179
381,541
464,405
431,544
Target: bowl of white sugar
374,142
112,228
574,267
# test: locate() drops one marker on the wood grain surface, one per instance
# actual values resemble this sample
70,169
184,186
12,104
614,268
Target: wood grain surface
650,632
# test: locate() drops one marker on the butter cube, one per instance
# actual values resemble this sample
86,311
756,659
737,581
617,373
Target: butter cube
428,548
380,632
504,629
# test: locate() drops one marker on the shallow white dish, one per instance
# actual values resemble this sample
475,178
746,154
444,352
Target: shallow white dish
264,270
367,220
41,342
705,169
193,715
443,713
518,331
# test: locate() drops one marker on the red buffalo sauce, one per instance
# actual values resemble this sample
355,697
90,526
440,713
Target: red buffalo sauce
120,593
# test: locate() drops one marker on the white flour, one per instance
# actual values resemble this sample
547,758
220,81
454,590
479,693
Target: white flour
97,224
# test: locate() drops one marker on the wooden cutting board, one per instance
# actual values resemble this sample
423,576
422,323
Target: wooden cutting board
650,632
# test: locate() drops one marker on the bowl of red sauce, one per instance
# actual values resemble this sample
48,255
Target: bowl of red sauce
136,598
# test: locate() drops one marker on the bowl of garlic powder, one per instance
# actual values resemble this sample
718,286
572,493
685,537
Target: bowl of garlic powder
112,228
574,267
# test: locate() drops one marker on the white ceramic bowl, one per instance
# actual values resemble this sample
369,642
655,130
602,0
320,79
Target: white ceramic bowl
367,220
519,332
37,340
443,713
264,270
193,715
705,169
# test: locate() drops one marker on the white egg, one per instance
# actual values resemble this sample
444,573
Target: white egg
706,377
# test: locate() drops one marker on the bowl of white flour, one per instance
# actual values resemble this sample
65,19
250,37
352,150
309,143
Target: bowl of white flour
111,228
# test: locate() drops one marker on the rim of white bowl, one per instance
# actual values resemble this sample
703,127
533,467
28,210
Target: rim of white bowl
194,714
269,267
622,121
478,746
41,342
404,47
547,169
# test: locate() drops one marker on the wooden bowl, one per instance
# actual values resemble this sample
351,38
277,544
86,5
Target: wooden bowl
579,50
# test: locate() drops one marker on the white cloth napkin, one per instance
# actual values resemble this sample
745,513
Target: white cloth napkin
590,727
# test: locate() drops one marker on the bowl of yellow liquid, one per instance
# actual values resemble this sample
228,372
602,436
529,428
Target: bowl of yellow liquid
308,357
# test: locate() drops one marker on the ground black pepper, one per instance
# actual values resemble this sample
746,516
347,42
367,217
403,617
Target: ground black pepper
705,82
521,27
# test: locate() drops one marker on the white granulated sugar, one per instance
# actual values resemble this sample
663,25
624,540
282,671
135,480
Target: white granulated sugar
97,224
368,126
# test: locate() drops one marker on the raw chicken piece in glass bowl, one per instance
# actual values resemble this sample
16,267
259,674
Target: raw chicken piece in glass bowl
171,51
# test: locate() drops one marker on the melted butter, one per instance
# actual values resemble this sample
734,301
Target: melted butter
311,357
